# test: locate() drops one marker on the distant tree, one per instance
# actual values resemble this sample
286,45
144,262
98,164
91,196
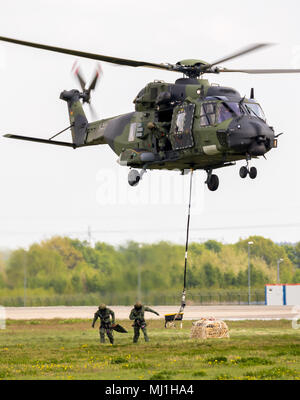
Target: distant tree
213,245
264,248
210,275
229,280
63,245
15,268
2,271
297,254
196,248
242,278
70,266
296,277
58,284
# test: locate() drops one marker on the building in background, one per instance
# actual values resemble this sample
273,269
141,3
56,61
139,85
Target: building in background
282,294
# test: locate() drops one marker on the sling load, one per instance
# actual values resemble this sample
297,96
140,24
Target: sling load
171,318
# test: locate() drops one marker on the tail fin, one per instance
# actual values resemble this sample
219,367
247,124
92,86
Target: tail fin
79,122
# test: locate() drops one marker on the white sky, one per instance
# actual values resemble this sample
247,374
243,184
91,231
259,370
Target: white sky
48,190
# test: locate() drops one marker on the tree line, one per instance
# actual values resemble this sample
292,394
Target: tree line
66,266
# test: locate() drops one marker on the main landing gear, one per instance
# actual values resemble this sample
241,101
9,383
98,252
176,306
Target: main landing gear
212,181
135,176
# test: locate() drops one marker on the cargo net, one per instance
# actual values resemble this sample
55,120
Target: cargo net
209,328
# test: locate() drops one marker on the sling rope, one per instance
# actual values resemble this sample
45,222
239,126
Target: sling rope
186,248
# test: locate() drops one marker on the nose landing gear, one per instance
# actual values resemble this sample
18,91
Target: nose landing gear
244,171
253,172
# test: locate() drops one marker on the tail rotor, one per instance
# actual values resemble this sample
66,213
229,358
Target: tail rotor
86,92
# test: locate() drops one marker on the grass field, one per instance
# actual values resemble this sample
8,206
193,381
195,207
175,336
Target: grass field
70,349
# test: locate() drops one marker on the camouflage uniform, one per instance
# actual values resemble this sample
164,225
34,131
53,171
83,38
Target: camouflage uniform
162,136
161,131
137,314
105,324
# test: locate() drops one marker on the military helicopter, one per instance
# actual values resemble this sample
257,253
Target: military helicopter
189,124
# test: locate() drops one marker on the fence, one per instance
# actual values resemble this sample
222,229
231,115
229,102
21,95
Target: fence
193,298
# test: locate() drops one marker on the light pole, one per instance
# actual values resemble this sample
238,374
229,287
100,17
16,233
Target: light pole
25,277
278,263
249,294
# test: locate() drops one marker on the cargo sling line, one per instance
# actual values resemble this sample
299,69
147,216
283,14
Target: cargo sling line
186,249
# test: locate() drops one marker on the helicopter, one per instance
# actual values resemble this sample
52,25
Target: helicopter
187,125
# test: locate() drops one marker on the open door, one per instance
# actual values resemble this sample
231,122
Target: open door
181,129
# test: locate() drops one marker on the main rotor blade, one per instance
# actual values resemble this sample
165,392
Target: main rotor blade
93,56
241,52
261,71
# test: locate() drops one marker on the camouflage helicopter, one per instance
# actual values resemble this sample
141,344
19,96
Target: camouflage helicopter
189,124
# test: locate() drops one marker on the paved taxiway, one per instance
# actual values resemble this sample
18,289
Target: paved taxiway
235,312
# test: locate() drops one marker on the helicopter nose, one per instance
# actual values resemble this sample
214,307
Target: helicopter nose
248,134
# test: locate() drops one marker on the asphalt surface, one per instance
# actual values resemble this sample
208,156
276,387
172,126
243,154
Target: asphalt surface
238,312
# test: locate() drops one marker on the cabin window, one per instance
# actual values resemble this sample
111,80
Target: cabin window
180,122
181,135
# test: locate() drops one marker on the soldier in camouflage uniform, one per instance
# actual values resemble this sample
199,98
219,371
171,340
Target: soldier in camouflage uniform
104,314
160,131
137,314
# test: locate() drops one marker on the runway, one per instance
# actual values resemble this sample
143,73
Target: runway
238,312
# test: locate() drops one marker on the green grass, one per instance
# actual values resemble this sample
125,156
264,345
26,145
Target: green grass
70,349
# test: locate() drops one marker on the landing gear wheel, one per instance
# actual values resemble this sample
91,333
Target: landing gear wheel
213,183
133,177
243,172
253,172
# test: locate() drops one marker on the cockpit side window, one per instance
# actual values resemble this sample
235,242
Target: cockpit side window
224,113
208,114
229,109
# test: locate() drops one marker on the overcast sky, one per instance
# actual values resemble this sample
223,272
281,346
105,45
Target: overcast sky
47,190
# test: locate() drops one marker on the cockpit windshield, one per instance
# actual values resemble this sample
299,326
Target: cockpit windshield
212,113
255,110
215,113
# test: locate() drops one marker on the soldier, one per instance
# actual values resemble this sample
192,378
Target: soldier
137,314
161,132
105,324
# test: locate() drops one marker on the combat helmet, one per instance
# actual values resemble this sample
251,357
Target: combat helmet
102,306
138,305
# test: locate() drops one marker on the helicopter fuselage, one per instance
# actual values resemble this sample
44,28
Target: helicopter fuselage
189,124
